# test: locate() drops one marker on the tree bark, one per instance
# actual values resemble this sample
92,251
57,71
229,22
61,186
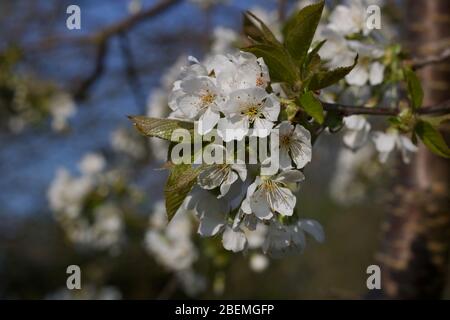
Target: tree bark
415,237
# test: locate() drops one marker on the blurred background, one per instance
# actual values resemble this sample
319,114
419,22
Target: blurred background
79,186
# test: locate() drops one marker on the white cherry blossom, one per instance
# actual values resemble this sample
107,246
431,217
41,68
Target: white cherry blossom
287,239
234,239
385,143
367,68
248,107
357,133
350,18
269,195
295,144
223,175
201,99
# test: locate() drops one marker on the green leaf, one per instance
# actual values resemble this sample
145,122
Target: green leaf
312,106
436,120
432,138
300,30
314,53
325,79
280,64
312,61
260,33
414,88
160,128
181,180
333,121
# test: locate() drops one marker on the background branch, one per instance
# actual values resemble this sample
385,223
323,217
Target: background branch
101,40
419,63
347,110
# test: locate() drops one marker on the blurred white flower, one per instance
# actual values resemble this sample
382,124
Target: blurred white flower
336,50
349,18
122,140
92,163
287,239
224,40
172,245
385,143
357,131
107,227
67,193
345,187
234,239
367,68
134,6
62,107
256,237
258,262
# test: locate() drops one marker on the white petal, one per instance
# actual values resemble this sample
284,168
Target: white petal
259,205
189,105
234,240
376,73
355,139
211,223
406,147
211,177
284,202
355,122
301,153
290,176
302,134
358,76
271,108
246,203
285,128
383,156
232,129
198,85
232,177
207,121
262,127
384,142
285,158
241,169
407,144
313,228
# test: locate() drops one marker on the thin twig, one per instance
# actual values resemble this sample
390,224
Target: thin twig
131,72
114,29
101,40
419,63
82,89
346,110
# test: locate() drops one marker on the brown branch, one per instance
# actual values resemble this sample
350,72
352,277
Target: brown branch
82,89
105,34
101,40
345,110
419,63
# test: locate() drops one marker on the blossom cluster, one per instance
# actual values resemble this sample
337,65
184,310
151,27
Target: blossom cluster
370,83
70,198
231,94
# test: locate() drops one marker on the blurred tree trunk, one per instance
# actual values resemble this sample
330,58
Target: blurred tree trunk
415,241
